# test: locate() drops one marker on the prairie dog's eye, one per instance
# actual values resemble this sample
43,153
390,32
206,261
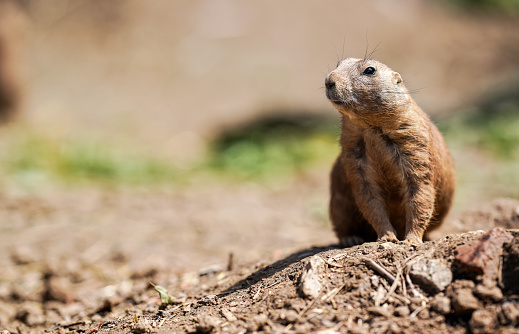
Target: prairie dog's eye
369,71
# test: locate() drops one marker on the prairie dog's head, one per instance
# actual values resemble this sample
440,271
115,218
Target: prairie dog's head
366,89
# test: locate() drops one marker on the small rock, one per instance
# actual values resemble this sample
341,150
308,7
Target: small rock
207,323
463,283
510,311
291,316
288,316
483,321
402,311
464,302
432,275
481,257
208,300
58,288
424,314
441,304
228,315
211,270
21,255
380,311
31,314
258,322
310,285
488,293
260,319
394,328
141,328
375,281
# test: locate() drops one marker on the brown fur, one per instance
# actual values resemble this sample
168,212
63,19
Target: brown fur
394,178
12,38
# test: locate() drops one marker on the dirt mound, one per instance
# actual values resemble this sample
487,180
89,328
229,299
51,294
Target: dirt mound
459,283
372,288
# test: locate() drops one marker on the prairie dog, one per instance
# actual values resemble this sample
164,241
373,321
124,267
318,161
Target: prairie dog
394,178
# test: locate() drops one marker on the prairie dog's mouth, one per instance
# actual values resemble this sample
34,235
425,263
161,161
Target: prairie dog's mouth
337,102
333,96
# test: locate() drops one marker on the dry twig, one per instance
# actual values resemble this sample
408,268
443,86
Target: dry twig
380,269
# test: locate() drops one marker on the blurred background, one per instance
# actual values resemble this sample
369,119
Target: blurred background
202,126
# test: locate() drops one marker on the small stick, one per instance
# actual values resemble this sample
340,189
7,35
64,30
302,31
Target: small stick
418,310
396,283
338,257
300,315
331,264
161,323
402,299
256,295
411,286
334,303
380,269
379,296
230,262
332,293
404,288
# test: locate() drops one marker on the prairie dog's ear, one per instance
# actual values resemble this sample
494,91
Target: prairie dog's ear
397,77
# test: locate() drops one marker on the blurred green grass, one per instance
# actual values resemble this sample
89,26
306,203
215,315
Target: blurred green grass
276,147
30,158
269,151
484,141
511,6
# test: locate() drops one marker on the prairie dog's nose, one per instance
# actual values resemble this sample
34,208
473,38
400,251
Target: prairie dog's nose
329,82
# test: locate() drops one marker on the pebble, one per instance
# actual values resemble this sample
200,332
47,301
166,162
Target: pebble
402,311
207,323
464,302
310,285
483,321
432,275
441,304
488,293
510,311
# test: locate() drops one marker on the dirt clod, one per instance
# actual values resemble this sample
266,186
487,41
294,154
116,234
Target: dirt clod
402,311
141,328
207,323
363,289
462,299
441,304
510,311
488,293
483,321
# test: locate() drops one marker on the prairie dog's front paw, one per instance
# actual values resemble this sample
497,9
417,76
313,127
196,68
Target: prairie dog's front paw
388,237
413,240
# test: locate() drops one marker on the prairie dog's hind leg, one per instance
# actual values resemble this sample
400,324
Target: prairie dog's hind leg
348,223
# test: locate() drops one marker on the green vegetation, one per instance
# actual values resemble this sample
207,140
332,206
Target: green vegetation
488,5
483,140
266,151
485,143
30,158
276,147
